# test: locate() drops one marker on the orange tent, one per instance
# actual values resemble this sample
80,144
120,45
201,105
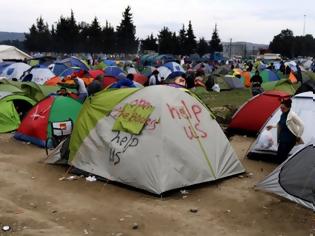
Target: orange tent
292,78
246,75
54,81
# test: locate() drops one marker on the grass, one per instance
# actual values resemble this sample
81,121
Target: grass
233,98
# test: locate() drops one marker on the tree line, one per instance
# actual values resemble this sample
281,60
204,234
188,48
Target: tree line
292,46
70,36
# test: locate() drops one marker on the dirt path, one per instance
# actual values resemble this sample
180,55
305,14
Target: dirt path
34,202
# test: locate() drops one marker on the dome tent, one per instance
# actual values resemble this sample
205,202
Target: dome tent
10,107
180,143
36,127
294,178
261,106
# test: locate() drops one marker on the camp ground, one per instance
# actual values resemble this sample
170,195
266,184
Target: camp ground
88,147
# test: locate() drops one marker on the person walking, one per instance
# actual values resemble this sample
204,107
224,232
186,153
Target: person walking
290,129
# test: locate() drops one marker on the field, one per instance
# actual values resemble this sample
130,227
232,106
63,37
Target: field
34,201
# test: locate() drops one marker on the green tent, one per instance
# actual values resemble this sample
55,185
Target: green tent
17,84
222,83
10,107
306,75
281,85
38,92
10,88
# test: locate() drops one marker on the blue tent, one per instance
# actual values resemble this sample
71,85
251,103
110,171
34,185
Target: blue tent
75,62
69,71
58,67
110,62
113,71
171,70
4,65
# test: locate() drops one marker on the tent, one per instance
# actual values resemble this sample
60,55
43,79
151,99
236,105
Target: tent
75,62
139,78
148,70
114,71
308,86
206,68
252,115
171,70
269,75
95,73
177,143
283,85
36,91
295,178
222,83
15,70
37,75
36,127
233,82
12,106
58,68
12,53
4,65
304,106
4,87
246,76
306,75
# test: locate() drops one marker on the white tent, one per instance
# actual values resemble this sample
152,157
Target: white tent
15,71
38,75
295,178
180,145
303,105
10,52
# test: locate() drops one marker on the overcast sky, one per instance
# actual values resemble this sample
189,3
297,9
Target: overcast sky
242,20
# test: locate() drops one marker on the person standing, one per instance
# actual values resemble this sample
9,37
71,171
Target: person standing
82,91
256,82
290,129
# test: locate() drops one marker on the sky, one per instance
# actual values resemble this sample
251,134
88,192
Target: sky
240,20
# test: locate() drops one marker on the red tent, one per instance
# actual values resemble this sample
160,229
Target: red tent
141,79
95,73
255,112
108,81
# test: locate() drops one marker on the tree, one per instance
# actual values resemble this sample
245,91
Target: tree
67,34
215,42
283,43
191,43
150,43
94,39
126,34
108,38
39,37
203,47
165,39
182,40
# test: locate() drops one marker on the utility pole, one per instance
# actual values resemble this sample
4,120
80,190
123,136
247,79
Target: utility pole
230,48
304,25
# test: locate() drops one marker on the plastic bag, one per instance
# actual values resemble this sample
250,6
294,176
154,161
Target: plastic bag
216,88
266,140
